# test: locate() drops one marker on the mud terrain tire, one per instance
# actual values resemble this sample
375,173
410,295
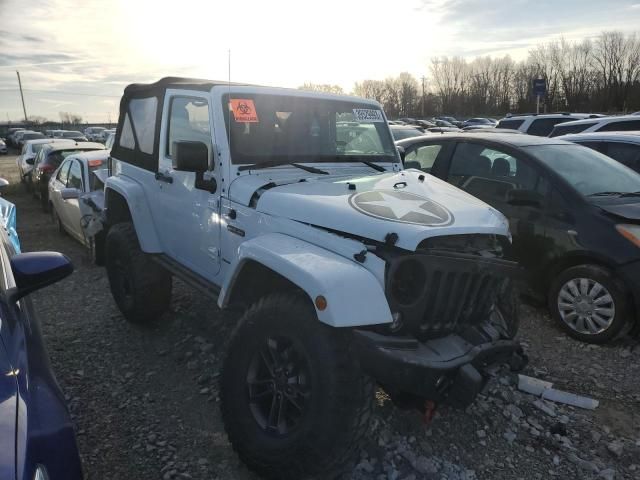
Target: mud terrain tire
140,286
320,368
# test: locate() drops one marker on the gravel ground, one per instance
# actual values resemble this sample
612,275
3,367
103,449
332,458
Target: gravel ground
144,400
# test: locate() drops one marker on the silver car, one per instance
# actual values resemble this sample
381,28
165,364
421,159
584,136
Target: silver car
75,189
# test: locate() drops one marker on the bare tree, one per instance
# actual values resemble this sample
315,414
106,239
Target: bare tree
372,89
450,77
322,87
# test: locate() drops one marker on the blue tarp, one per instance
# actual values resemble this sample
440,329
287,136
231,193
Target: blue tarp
8,220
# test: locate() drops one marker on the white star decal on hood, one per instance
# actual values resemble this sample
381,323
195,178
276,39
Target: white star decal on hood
399,207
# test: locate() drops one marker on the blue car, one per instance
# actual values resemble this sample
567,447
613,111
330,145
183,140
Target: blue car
37,440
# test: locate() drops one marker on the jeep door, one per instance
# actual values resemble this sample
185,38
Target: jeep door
498,176
185,211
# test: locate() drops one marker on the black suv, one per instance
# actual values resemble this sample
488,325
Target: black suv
574,216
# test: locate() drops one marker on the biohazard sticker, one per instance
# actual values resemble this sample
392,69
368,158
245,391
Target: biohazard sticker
367,115
244,110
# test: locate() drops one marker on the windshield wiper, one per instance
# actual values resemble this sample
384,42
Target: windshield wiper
611,194
379,168
276,163
356,158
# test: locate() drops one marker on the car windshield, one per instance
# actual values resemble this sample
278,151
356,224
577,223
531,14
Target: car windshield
268,128
402,133
36,147
589,172
32,136
59,155
71,134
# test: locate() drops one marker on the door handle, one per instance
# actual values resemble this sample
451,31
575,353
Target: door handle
164,177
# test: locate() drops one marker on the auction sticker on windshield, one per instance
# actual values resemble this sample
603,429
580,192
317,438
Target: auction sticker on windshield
244,110
367,115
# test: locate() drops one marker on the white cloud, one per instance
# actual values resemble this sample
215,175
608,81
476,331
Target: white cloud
99,47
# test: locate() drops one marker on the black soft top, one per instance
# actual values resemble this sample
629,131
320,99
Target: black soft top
157,88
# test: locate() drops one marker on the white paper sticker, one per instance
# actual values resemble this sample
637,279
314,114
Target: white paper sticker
368,115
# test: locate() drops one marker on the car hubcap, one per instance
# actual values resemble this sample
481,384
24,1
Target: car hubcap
586,306
278,386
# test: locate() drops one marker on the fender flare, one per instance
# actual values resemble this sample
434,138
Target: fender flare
354,295
141,217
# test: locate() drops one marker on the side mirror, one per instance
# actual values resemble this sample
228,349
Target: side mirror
524,198
402,153
191,156
35,270
30,160
69,193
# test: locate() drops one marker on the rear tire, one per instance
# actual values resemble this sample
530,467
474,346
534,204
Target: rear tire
314,365
589,303
140,286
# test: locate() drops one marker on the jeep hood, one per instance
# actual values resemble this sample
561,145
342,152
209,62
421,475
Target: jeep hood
409,203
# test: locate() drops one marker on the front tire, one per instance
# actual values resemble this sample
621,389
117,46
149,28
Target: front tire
589,303
294,400
140,286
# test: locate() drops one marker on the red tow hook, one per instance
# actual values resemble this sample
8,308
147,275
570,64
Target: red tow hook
429,411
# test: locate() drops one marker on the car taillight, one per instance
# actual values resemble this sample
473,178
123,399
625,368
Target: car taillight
95,163
45,168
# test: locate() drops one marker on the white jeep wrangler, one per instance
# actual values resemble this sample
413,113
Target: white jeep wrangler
350,270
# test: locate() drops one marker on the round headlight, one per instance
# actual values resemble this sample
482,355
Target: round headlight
408,282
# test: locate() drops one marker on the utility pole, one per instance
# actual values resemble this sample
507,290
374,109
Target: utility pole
24,109
423,79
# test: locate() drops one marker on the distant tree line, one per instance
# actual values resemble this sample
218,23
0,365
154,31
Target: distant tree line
600,75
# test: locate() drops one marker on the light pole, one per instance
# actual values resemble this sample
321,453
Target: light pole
423,79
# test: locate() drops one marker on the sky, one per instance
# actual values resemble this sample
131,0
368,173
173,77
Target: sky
78,55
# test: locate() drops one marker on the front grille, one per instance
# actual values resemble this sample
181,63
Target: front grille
442,293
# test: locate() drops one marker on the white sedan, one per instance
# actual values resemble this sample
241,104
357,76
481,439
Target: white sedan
75,189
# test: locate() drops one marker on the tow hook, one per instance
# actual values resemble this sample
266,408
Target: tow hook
429,411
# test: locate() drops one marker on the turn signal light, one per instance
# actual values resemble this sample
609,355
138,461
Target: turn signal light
321,303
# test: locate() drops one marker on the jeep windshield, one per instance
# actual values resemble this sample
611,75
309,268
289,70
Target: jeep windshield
278,130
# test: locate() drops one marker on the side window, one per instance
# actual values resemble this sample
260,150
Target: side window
38,158
626,153
188,121
422,157
511,124
126,137
626,126
63,173
542,126
140,124
75,175
597,146
488,173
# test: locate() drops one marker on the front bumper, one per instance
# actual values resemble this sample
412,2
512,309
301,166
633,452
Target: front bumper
447,370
